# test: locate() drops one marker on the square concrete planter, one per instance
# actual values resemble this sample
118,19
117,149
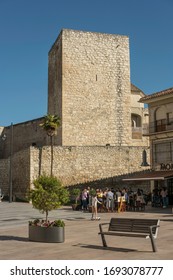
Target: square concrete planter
46,234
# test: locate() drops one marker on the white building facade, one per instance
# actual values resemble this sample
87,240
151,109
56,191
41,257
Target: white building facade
160,132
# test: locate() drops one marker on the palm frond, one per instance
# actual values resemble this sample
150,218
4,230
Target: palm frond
51,123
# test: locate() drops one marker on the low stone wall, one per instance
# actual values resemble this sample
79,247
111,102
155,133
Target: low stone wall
75,165
20,170
72,165
4,175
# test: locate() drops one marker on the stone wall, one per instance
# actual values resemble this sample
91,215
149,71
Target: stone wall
73,165
55,84
4,175
20,169
21,173
89,77
24,135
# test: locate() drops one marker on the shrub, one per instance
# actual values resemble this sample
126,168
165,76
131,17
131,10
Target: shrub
48,194
43,223
76,193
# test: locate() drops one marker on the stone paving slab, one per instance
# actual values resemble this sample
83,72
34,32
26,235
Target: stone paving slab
82,241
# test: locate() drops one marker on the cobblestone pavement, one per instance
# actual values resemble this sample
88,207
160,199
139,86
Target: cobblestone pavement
82,241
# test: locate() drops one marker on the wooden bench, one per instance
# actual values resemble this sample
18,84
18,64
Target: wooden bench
129,227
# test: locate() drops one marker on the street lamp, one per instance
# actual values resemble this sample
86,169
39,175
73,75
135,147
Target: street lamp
3,137
11,163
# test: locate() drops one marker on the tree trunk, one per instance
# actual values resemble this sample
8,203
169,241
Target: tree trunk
46,216
51,166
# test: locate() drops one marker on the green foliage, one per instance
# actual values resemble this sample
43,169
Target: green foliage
50,124
59,223
92,192
43,223
35,222
75,192
48,194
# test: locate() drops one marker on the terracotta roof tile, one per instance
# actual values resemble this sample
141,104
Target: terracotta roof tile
157,94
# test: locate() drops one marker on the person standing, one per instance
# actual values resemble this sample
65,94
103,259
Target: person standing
110,200
163,194
94,202
84,200
88,195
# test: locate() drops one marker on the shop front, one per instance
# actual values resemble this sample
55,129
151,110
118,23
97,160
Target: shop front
158,180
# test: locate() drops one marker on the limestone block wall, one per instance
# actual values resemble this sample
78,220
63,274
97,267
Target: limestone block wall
95,90
25,135
4,175
20,169
75,165
21,173
55,83
72,165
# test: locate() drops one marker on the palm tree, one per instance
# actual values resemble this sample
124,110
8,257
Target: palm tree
50,125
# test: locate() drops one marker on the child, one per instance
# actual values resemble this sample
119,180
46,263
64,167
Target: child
94,207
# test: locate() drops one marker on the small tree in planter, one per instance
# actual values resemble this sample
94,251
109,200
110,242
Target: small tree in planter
48,195
76,194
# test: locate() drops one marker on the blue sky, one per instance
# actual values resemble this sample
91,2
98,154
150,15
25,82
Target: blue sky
29,28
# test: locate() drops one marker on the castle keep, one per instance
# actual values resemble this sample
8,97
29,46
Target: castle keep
89,88
102,122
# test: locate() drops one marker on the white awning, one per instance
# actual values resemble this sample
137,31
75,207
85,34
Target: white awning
150,176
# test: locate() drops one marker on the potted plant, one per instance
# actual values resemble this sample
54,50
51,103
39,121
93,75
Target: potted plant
75,197
48,194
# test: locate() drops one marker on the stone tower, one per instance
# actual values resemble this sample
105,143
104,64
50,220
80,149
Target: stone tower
89,88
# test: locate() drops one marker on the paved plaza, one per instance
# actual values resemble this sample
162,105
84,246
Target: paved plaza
82,241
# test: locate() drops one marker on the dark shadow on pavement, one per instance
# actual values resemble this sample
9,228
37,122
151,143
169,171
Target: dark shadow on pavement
89,246
66,209
11,237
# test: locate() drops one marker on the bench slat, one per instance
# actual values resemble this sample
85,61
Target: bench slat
132,225
124,234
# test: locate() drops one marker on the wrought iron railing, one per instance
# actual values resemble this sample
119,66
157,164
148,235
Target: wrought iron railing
158,126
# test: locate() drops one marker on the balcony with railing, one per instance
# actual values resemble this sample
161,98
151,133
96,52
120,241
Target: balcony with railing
163,125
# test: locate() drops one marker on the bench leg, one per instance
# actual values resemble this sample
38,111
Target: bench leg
153,243
103,240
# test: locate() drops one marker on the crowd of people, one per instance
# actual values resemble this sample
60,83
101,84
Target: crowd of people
160,197
109,199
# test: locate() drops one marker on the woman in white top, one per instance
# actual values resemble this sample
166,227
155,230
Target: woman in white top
94,207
